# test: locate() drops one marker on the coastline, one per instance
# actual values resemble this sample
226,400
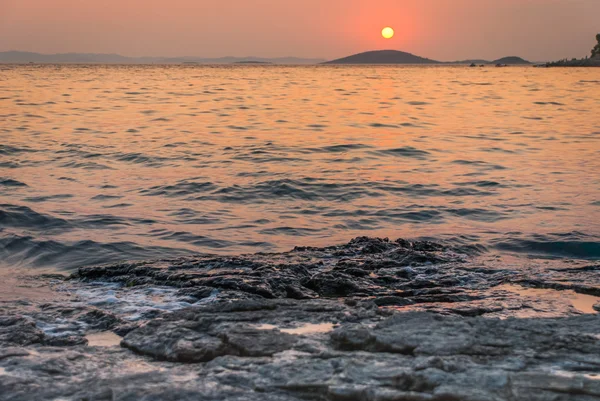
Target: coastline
588,62
371,319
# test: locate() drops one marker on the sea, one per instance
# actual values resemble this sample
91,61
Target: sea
100,164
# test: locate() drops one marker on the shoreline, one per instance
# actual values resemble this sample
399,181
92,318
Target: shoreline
370,319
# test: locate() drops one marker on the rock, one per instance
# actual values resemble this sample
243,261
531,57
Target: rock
184,341
170,342
349,322
19,331
303,273
65,341
408,356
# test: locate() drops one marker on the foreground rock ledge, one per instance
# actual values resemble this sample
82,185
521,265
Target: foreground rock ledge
225,352
329,323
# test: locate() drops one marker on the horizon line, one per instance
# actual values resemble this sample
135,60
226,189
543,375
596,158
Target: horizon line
256,57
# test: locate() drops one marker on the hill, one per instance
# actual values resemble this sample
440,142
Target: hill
383,57
512,60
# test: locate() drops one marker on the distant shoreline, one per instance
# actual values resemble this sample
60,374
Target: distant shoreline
379,57
582,63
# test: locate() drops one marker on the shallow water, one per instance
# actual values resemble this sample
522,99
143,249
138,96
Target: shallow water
105,163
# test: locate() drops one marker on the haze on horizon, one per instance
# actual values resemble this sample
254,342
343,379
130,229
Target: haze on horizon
439,29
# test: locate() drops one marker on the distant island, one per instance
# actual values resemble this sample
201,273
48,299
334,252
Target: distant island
399,57
383,57
18,57
512,60
593,61
253,62
393,57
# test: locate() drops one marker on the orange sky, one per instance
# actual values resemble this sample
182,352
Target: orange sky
440,29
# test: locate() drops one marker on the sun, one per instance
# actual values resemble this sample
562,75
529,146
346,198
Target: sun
387,32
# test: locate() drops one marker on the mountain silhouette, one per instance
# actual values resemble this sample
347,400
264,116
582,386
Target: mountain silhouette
370,57
383,57
512,60
18,57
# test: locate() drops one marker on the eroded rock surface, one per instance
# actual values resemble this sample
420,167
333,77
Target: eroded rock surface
224,354
370,320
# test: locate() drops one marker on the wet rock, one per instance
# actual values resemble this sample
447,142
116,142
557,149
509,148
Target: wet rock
64,341
19,331
246,341
304,273
195,293
202,341
171,342
408,356
330,323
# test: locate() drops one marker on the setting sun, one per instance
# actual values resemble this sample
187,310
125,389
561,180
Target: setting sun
387,32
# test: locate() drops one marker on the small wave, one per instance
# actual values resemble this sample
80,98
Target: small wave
118,205
344,148
105,197
39,199
189,216
291,231
9,182
181,188
86,166
189,238
28,252
310,189
569,245
549,103
140,158
406,151
8,150
479,163
481,184
380,125
13,216
24,217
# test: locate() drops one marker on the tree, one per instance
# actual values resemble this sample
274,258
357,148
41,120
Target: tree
596,49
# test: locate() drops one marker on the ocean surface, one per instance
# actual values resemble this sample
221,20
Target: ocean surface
105,163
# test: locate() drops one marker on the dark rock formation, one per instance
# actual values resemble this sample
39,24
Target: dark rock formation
408,356
344,322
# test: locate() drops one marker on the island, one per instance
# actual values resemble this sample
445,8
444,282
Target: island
253,62
512,60
383,57
400,57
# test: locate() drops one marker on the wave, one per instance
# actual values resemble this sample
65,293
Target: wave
7,150
22,217
405,151
9,182
26,251
575,245
308,189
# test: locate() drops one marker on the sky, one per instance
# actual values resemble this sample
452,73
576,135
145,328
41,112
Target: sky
445,30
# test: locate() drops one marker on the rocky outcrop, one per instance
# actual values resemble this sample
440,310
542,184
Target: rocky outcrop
229,354
373,319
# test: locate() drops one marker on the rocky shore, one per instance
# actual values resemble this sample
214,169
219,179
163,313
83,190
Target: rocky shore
370,320
584,62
